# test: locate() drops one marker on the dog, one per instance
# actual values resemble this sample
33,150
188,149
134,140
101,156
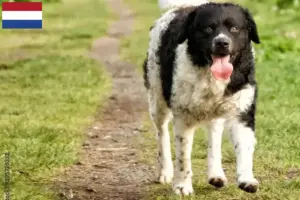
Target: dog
200,71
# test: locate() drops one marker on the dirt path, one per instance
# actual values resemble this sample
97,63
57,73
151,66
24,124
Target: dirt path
109,167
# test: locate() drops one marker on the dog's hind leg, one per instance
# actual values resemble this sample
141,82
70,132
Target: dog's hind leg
161,116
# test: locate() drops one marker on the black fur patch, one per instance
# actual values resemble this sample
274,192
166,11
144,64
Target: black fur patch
146,80
248,117
166,52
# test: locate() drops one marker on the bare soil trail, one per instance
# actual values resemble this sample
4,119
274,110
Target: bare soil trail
109,166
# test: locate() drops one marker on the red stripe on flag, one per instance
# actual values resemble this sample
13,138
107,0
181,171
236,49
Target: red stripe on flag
22,6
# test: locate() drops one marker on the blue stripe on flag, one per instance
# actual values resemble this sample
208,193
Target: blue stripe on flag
22,24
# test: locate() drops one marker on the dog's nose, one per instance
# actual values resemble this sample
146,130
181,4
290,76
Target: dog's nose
222,43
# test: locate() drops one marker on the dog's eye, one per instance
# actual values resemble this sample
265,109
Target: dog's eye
234,29
208,30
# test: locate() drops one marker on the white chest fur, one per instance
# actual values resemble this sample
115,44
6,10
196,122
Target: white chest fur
200,97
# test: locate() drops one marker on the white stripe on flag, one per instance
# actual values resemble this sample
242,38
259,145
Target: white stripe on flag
22,15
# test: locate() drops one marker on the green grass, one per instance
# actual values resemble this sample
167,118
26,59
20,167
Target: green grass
277,164
50,97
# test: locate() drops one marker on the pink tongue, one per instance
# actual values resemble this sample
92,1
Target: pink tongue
221,67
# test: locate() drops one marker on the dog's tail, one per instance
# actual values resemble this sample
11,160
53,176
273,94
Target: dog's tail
168,4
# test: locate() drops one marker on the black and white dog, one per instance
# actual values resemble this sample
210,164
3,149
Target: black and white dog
200,71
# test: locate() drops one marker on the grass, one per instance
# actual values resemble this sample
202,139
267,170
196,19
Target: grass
49,92
277,164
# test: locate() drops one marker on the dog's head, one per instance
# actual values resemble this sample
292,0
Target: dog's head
218,29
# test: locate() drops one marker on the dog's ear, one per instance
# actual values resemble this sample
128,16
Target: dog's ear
185,27
252,28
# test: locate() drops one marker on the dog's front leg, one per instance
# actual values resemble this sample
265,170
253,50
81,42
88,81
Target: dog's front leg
216,175
184,134
243,139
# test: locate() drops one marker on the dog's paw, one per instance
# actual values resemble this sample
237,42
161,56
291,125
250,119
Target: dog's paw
184,188
165,173
248,185
165,177
218,181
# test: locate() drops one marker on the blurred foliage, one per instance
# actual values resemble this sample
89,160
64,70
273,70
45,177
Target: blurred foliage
44,1
283,4
280,4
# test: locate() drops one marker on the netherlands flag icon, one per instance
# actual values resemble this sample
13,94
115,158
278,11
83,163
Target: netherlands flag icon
22,15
